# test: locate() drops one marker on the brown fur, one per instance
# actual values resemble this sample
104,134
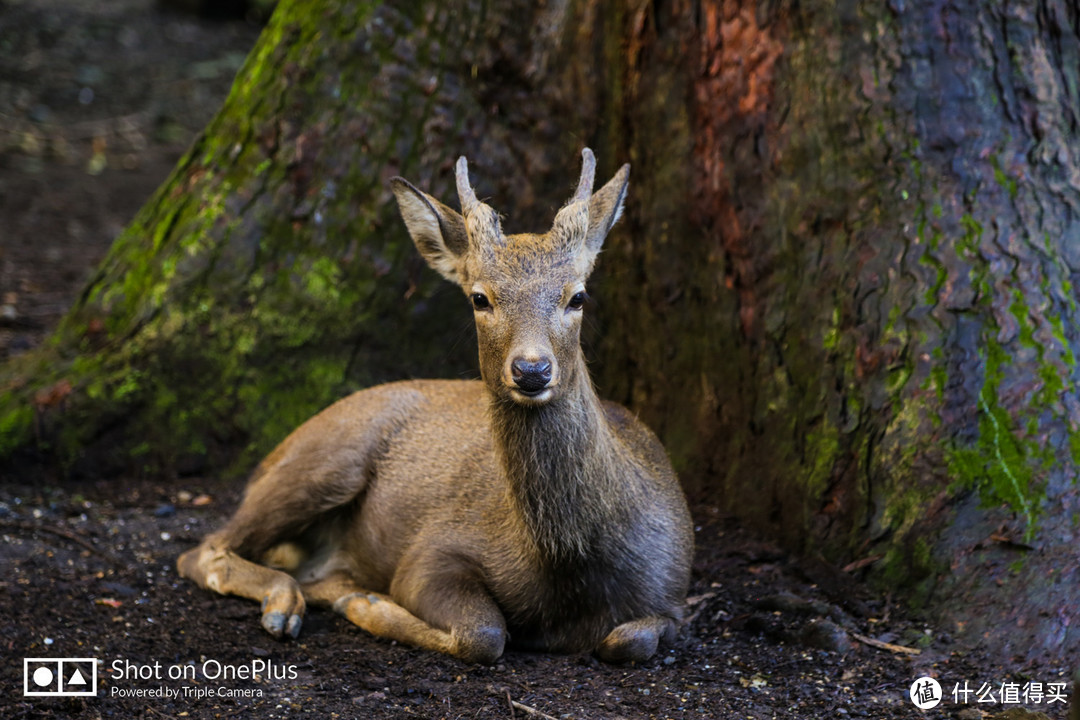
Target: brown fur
462,515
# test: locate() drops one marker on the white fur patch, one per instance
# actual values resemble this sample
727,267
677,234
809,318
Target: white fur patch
618,213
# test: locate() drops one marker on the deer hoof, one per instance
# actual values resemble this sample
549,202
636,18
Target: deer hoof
635,641
283,611
278,623
483,645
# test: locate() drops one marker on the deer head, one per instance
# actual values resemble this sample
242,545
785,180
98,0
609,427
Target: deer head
527,290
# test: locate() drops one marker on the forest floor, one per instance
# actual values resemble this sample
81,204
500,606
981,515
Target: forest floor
98,100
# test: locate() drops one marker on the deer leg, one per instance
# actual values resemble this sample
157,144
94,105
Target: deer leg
292,489
213,566
477,632
637,640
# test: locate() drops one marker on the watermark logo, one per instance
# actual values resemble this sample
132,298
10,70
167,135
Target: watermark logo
59,677
65,677
925,693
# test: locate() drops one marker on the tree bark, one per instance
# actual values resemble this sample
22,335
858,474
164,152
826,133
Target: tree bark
844,292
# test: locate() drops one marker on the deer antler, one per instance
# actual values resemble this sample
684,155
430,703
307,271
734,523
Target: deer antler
588,174
465,191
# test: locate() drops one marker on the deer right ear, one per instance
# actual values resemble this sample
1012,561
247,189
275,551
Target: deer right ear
606,207
437,230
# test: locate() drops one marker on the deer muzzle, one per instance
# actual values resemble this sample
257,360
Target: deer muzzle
531,378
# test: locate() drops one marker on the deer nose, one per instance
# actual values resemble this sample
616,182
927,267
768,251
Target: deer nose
529,376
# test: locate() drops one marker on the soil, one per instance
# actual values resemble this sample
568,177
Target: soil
88,571
98,100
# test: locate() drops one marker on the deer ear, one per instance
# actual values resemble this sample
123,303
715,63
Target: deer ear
438,231
605,208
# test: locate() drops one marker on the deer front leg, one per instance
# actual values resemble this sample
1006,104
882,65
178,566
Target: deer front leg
213,566
637,640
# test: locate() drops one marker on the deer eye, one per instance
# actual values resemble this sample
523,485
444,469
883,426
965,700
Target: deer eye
578,300
480,301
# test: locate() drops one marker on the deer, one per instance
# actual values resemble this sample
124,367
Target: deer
468,516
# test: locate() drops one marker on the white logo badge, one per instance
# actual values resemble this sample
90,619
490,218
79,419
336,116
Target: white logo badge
59,677
925,693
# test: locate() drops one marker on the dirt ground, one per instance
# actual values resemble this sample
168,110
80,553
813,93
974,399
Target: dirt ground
97,102
88,571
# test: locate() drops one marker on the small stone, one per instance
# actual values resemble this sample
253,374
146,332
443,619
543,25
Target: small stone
119,588
783,602
40,113
825,635
165,510
89,75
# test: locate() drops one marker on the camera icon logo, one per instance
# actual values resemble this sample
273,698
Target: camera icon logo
59,677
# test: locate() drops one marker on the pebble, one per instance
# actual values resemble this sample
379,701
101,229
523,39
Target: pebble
118,588
825,635
40,113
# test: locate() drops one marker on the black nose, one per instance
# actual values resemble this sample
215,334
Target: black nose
531,377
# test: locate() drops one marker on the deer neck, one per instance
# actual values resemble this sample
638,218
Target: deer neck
560,462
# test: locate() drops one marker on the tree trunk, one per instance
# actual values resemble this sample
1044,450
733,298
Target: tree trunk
843,294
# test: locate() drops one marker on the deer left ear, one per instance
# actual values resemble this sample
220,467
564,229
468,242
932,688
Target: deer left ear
605,208
438,231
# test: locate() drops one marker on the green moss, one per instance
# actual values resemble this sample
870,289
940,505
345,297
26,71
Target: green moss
1002,179
1019,310
940,378
16,423
832,336
822,449
1058,328
1003,462
910,564
968,243
933,242
1074,446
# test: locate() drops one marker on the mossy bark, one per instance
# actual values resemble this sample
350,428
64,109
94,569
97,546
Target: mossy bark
844,293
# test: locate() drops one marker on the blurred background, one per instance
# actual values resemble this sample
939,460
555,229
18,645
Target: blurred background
98,101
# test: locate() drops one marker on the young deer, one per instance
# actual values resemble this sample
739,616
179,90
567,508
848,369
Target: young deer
460,516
